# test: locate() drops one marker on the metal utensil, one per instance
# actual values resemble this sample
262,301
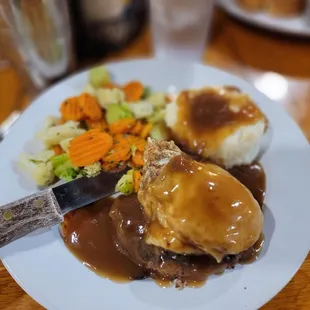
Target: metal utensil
7,123
46,208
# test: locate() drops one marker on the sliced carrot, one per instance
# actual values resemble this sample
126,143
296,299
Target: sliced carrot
109,165
133,90
137,159
122,126
132,141
118,153
146,130
137,142
101,124
114,166
71,110
90,147
57,149
121,138
90,106
136,180
132,165
136,129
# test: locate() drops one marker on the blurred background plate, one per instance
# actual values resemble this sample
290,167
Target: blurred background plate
298,25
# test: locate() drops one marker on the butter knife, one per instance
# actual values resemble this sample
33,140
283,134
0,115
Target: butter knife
47,208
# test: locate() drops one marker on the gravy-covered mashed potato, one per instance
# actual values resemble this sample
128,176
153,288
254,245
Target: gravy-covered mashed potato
218,123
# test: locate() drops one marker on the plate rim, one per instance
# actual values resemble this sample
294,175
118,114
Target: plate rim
229,7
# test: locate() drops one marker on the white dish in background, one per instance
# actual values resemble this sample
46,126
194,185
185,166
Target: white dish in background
299,25
46,270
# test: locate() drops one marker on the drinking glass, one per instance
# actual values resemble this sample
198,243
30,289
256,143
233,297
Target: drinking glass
180,27
35,36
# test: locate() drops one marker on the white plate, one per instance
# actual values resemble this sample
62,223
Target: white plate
47,271
299,25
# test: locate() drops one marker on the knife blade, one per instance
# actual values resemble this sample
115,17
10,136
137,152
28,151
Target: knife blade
47,208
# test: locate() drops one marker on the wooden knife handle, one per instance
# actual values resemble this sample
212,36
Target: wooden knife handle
26,215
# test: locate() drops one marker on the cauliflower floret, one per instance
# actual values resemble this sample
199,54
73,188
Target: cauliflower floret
158,100
92,170
65,144
49,122
43,156
41,172
141,109
56,134
159,132
157,116
88,89
108,96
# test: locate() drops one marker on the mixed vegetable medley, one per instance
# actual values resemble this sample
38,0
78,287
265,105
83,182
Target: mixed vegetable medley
104,128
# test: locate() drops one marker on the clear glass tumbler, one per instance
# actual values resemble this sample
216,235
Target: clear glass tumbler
35,36
180,27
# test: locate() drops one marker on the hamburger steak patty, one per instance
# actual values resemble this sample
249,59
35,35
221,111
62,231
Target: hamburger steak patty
130,226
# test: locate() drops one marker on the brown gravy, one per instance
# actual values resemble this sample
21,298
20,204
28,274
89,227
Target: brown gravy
218,200
130,223
163,283
253,177
204,107
88,235
253,253
205,118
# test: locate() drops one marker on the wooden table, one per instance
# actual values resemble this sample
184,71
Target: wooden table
259,57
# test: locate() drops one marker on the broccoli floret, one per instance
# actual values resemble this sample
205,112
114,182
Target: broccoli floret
146,92
126,183
116,112
62,168
92,170
69,174
130,172
59,160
